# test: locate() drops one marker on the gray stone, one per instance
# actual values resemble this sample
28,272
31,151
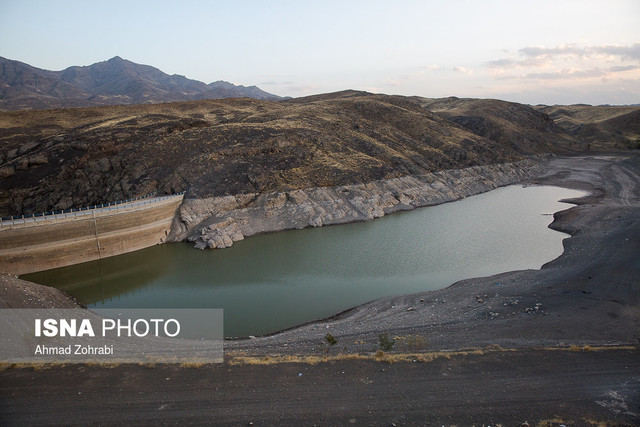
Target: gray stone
236,217
27,147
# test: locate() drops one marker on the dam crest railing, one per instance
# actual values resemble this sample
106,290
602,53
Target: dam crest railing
148,199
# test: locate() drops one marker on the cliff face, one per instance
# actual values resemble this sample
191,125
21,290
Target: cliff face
218,222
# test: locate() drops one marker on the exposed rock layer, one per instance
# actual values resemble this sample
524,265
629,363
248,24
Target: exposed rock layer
217,222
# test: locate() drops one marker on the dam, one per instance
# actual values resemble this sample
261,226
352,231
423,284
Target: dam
38,243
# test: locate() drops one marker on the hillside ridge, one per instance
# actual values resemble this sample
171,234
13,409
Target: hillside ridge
65,158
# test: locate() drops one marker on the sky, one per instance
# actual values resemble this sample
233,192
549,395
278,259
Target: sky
534,52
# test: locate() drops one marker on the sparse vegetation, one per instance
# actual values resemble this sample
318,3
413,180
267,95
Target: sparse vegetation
330,340
384,342
411,342
59,159
581,348
598,127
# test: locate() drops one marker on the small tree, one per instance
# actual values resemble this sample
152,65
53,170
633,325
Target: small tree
331,340
385,343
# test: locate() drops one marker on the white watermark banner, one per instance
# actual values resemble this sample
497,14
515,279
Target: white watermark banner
111,336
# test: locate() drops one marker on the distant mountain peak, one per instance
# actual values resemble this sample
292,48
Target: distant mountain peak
111,82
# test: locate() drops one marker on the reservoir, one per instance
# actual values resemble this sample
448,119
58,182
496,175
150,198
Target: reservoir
275,281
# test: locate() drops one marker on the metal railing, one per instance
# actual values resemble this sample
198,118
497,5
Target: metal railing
71,213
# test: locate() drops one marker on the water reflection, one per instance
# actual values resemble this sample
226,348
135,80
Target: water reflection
108,279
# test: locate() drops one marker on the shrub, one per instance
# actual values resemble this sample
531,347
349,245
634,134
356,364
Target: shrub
385,342
331,340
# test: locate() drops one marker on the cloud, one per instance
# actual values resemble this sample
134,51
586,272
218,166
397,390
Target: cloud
572,73
567,62
463,70
508,63
568,74
503,63
554,51
629,52
624,68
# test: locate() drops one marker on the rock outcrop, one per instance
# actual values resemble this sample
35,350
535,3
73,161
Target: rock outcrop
218,222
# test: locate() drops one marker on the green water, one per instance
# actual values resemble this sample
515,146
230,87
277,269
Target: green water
270,282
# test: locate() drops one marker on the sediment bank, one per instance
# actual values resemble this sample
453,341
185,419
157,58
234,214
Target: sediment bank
588,296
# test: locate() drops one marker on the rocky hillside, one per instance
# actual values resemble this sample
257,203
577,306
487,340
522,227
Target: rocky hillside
598,127
58,159
113,82
522,127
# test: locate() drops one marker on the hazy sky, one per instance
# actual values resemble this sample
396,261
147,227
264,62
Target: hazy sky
534,52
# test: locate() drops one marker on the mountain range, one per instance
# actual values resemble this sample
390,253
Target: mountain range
113,82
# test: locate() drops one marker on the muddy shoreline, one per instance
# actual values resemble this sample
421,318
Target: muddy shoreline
591,286
555,345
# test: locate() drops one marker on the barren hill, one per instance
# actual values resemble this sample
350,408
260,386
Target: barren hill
113,82
524,128
598,127
57,159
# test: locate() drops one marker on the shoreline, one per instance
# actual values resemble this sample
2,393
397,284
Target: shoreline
218,222
408,314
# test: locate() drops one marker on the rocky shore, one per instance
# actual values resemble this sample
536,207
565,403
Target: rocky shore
217,222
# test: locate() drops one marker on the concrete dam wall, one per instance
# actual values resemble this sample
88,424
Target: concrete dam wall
27,246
